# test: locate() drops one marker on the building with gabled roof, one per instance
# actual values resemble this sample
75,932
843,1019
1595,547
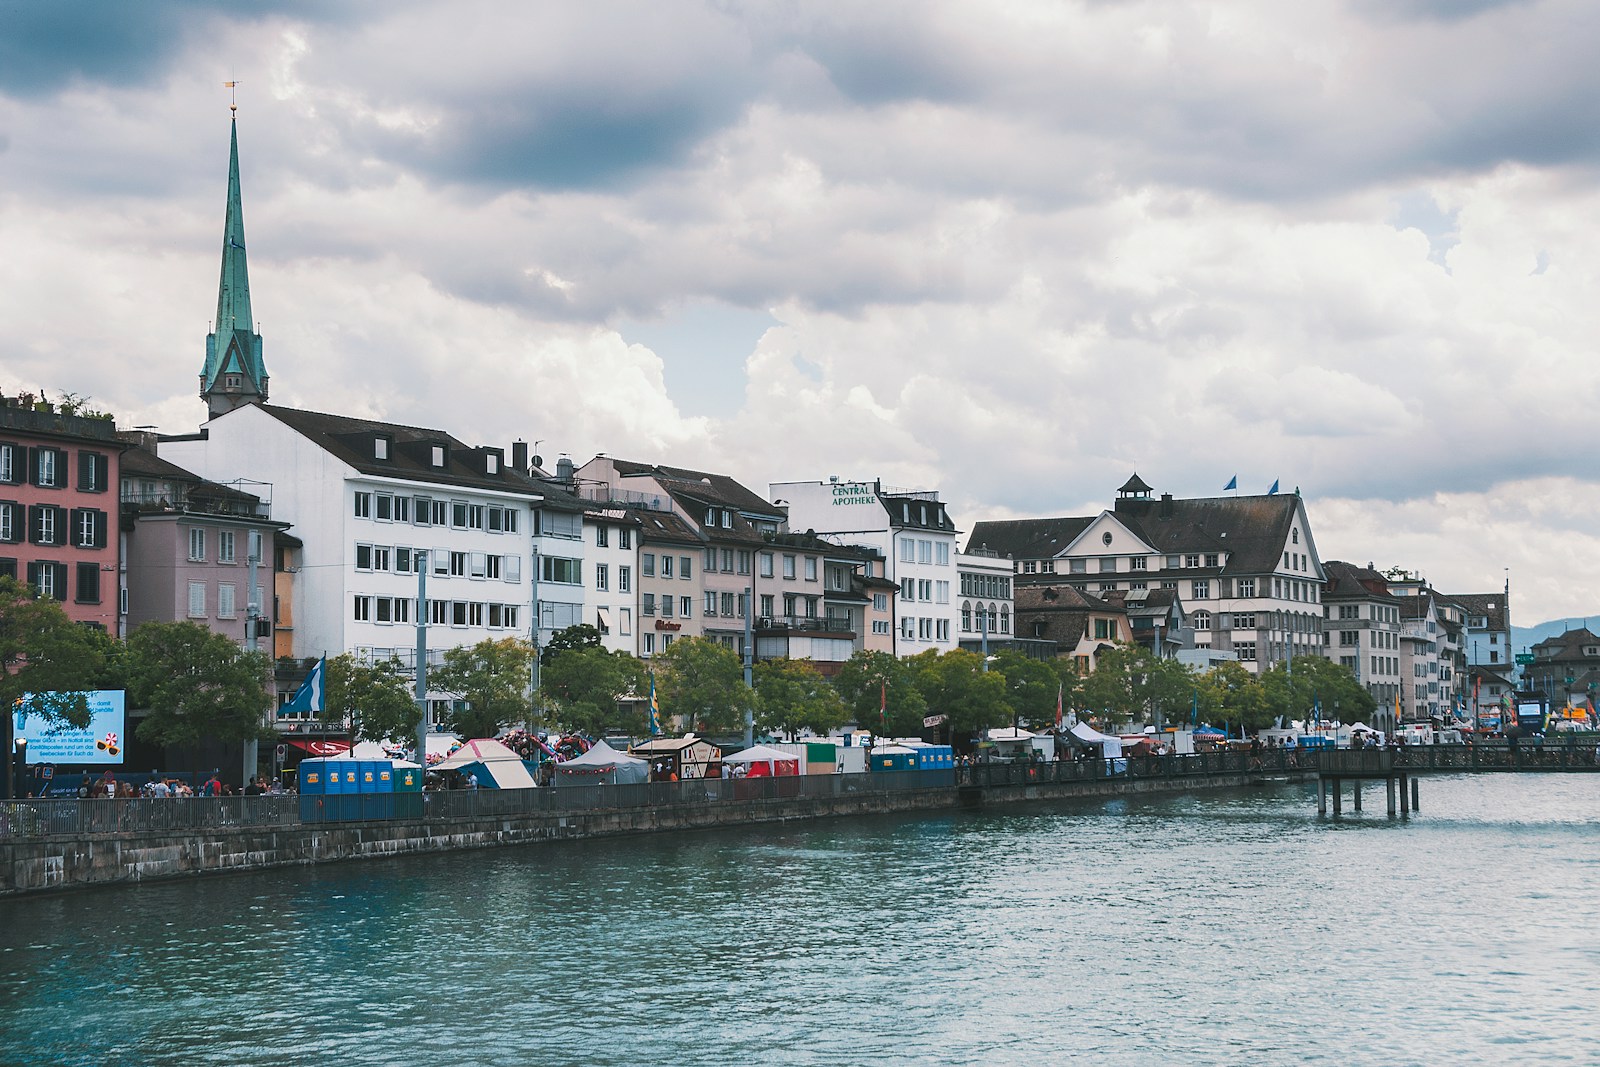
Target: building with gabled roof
1566,668
1080,624
1361,620
1245,567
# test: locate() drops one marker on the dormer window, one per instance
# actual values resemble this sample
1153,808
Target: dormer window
727,520
436,453
380,447
492,463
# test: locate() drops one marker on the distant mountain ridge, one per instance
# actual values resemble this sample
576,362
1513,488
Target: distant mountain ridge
1523,638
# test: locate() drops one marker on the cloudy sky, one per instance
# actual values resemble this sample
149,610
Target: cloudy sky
1011,251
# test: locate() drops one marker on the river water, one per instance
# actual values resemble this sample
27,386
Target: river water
1217,927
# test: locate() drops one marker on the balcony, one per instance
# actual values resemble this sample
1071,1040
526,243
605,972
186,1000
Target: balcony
218,500
802,623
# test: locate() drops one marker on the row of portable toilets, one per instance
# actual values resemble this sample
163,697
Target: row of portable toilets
344,790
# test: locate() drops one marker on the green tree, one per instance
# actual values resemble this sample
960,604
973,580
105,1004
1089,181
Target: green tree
880,694
1230,693
1114,688
581,635
581,686
1032,688
378,700
198,685
702,683
1291,692
792,695
46,659
491,681
956,685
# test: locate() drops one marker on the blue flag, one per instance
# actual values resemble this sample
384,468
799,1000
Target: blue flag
655,708
1274,490
1233,483
308,698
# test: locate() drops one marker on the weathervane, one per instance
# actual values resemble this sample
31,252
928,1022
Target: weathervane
233,96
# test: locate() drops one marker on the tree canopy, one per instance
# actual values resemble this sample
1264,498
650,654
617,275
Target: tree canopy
377,699
199,685
880,693
702,683
47,660
792,695
956,685
491,680
1032,688
580,688
579,635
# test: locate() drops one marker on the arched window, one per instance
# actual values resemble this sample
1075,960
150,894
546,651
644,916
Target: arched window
966,616
1202,620
1005,619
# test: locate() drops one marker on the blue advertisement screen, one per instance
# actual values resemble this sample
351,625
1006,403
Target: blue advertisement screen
103,741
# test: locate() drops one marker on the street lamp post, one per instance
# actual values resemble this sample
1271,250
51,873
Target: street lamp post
20,768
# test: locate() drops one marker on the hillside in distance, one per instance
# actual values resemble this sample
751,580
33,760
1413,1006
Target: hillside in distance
1523,638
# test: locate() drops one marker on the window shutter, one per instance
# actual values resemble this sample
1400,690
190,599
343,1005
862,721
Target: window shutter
33,464
35,523
33,574
101,525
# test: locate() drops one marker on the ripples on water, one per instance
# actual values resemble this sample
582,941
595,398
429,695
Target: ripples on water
1221,927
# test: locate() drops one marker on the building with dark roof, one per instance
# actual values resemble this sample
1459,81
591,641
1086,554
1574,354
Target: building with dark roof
1566,668
1245,568
1362,620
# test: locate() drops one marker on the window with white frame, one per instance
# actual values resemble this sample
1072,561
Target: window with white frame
197,600
363,505
197,544
226,595
602,576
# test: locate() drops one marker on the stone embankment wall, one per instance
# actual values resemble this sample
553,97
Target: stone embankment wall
56,863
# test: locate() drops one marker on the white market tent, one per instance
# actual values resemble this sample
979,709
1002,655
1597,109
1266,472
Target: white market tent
601,765
775,760
503,767
1110,747
369,750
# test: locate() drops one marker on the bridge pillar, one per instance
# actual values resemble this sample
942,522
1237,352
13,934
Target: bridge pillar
1389,783
1338,796
1322,795
1416,804
1355,793
1405,807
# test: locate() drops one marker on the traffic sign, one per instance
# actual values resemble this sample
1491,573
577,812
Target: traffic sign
1524,659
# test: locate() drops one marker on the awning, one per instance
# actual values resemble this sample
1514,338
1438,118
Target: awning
318,748
604,615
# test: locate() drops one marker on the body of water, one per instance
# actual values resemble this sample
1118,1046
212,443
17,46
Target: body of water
1218,927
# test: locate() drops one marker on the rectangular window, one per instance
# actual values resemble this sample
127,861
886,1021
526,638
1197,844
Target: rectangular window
458,613
647,564
788,567
225,600
458,514
475,516
402,609
766,605
561,570
744,561
513,568
1245,650
765,564
439,612
647,643
89,528
1247,587
880,601
475,614
686,606
197,600
402,509
908,589
667,607
363,557
647,604
225,546
363,505
1244,622
384,511
710,603
727,561
602,577
497,616
424,511
666,566
458,564
439,513
1213,559
728,606
625,541
942,556
441,561
685,565
197,545
10,526
361,609
908,552
625,620
925,590
477,564
91,472
405,561
941,592
88,582
47,468
1202,590
510,517
924,551
908,627
602,536
8,463
624,579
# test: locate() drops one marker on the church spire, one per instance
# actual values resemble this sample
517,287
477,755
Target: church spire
234,373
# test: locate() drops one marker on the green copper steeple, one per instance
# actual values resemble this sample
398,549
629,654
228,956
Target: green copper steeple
234,373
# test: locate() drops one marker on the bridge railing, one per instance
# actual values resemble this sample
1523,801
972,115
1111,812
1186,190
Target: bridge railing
1551,754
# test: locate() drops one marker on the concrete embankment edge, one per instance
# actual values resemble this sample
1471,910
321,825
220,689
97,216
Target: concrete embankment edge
50,864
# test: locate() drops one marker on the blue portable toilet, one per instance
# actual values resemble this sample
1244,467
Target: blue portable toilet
377,790
313,791
893,758
935,757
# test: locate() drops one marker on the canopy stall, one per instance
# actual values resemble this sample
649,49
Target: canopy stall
680,757
1110,747
601,765
763,762
496,766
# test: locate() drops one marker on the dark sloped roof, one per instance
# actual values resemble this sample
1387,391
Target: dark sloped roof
703,487
1491,606
137,461
350,440
1346,581
1566,646
1027,538
665,526
1134,485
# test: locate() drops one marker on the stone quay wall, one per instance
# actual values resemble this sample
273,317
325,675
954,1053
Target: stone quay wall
45,864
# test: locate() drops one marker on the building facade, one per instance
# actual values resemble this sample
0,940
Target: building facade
58,478
1363,633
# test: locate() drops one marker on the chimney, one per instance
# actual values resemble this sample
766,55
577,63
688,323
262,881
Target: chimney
565,470
519,456
1166,506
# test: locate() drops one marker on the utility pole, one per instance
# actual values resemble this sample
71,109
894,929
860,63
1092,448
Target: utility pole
423,564
749,665
252,615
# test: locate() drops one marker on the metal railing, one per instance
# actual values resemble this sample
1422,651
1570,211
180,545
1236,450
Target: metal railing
75,817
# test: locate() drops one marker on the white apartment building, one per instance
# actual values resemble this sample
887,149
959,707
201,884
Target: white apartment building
612,536
913,532
373,504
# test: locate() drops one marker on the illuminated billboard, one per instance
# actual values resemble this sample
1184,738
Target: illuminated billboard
104,740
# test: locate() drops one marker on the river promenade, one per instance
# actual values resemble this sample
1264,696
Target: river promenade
53,845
